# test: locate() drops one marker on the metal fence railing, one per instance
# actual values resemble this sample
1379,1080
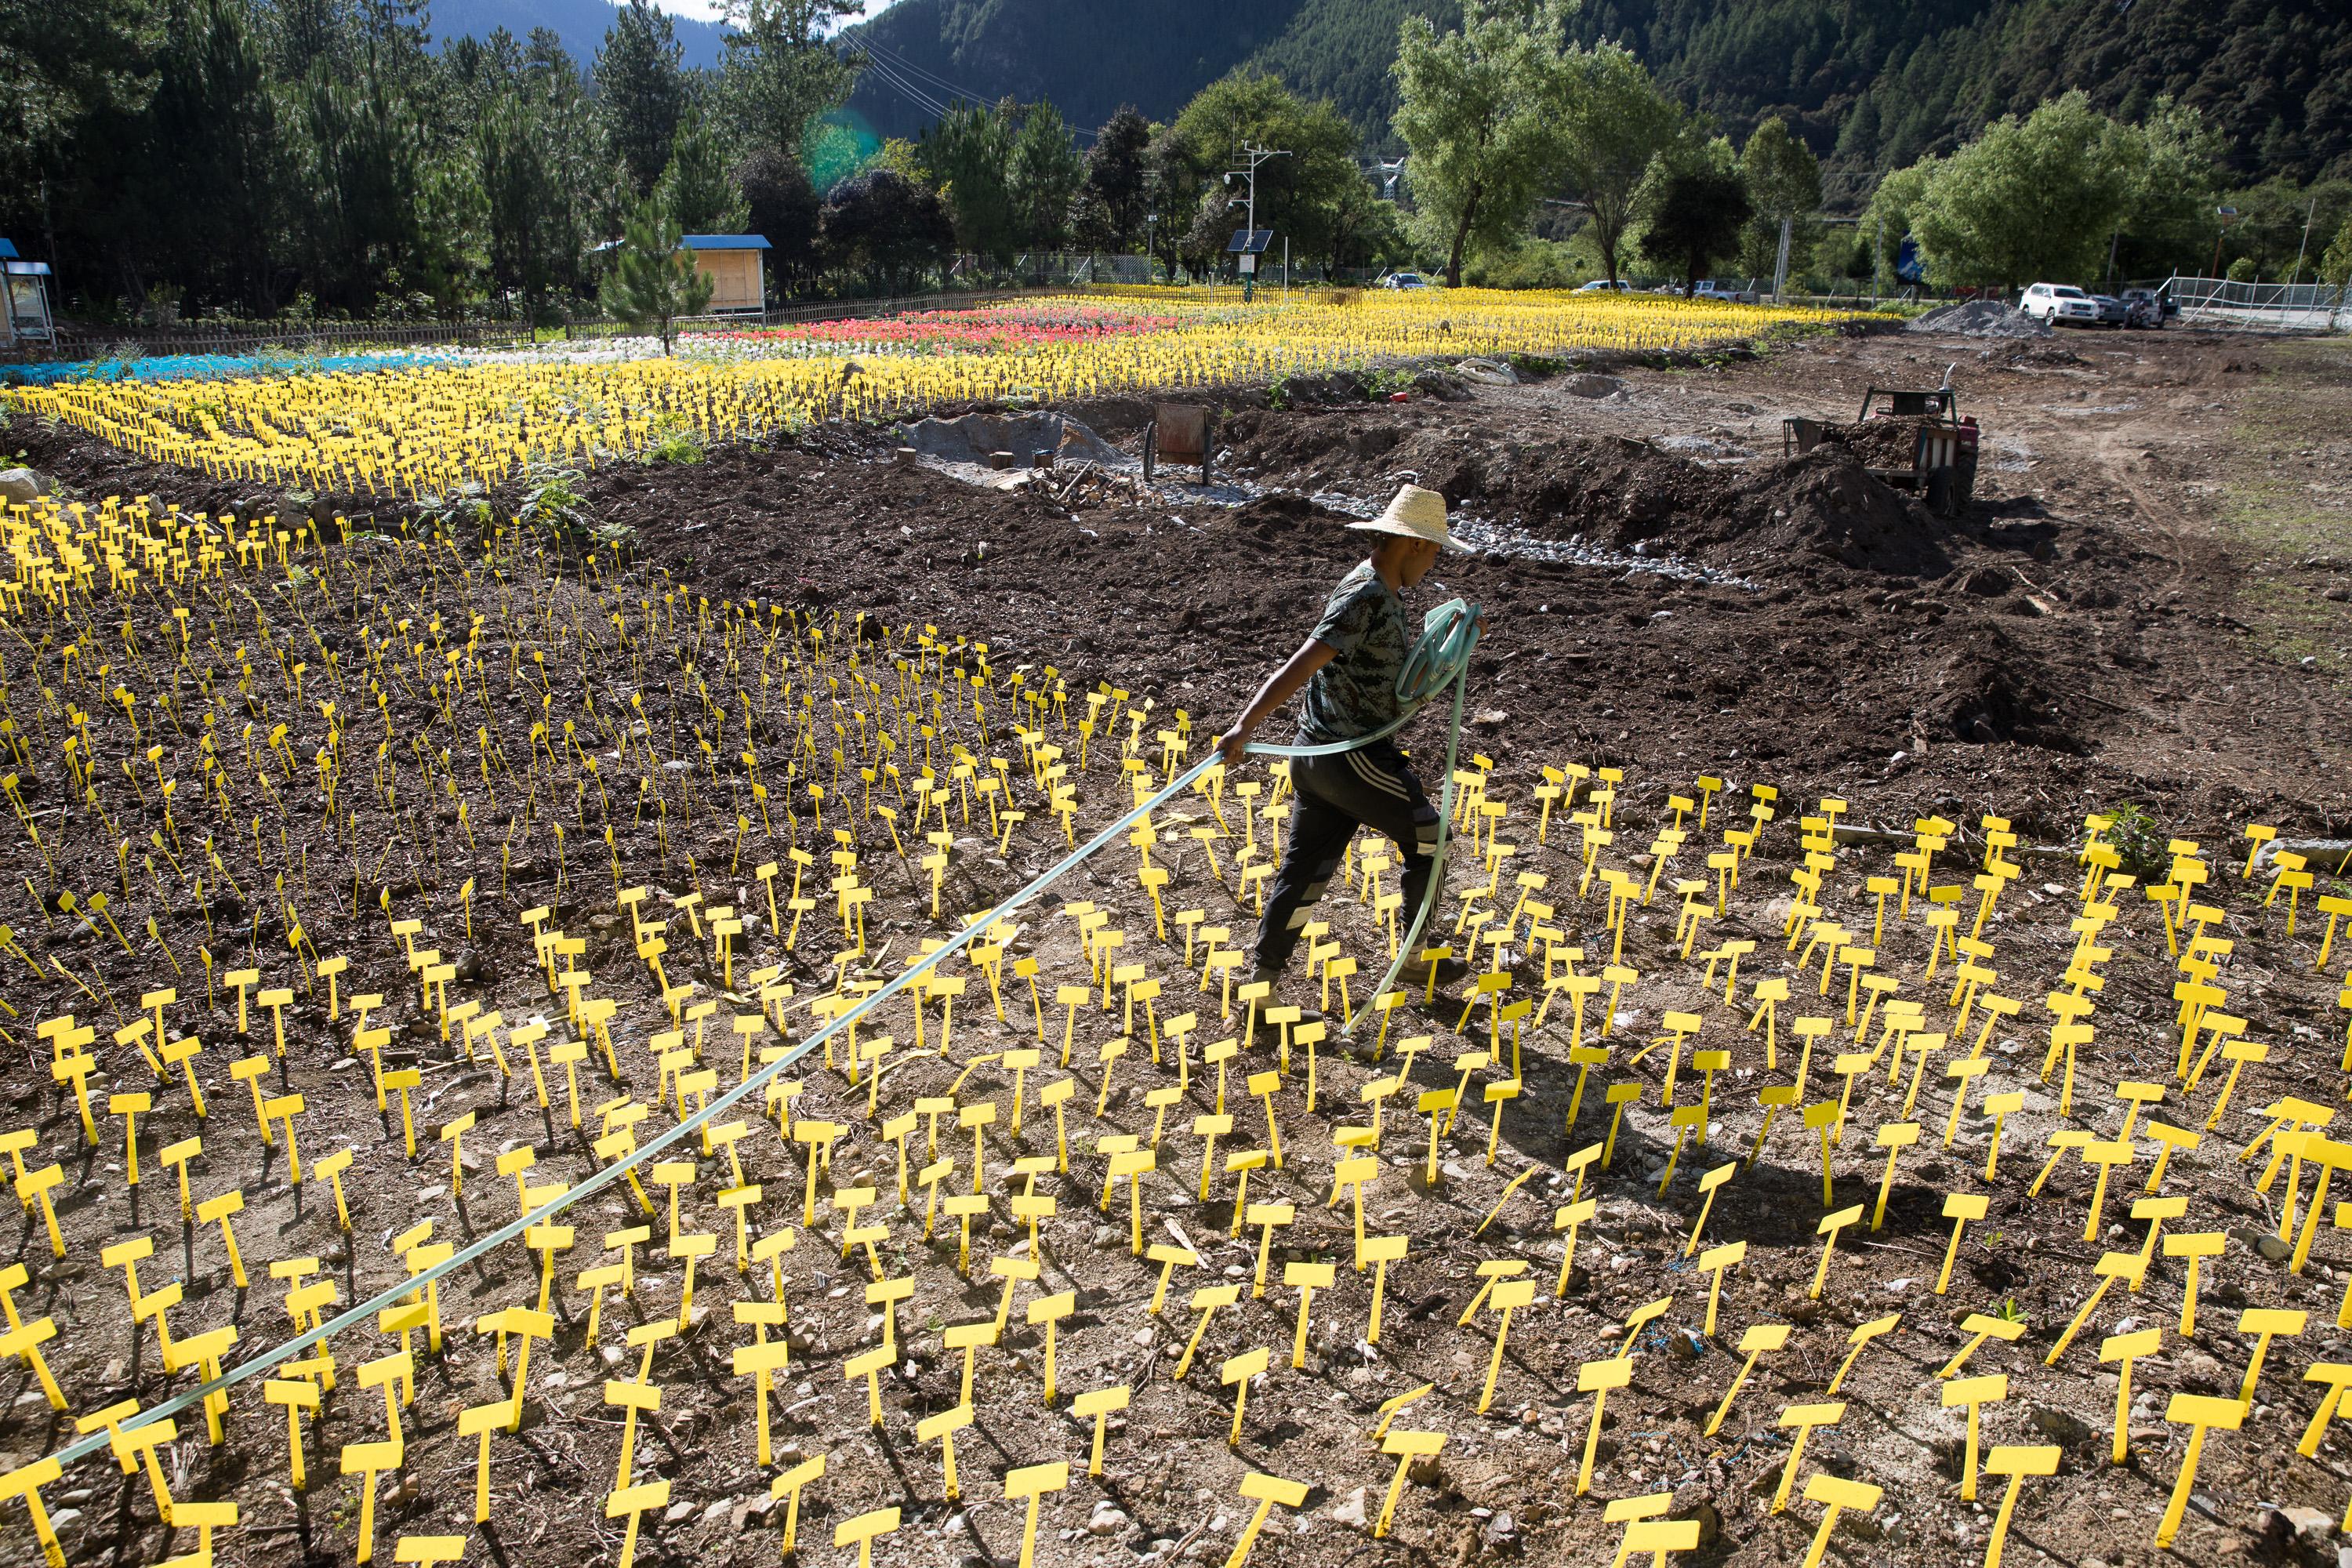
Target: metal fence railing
2278,307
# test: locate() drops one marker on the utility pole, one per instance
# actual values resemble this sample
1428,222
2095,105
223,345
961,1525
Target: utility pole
2228,216
1254,155
2296,276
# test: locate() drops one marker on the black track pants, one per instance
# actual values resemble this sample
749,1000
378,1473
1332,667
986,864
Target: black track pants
1371,788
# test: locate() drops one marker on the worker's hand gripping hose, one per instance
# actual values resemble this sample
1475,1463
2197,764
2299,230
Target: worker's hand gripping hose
1440,658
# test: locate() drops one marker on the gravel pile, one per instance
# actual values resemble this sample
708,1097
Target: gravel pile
1979,319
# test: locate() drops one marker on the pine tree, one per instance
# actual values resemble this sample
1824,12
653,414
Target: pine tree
696,189
782,71
1045,175
967,157
641,93
653,281
1109,208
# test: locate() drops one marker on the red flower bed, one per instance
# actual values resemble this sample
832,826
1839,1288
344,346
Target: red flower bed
991,329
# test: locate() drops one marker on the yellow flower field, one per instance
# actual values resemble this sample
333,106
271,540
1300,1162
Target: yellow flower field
420,432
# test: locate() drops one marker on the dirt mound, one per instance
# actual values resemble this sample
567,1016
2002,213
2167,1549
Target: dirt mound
1990,690
1288,445
1826,504
1622,491
1762,520
1278,515
1979,319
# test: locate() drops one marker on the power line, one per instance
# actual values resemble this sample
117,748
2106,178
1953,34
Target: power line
904,75
905,89
922,73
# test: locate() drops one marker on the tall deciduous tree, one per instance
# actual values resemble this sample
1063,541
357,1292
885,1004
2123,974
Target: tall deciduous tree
652,282
2335,266
1296,194
1476,110
1172,194
1696,215
640,92
2029,199
1200,243
1613,122
1366,230
1784,183
1887,220
2169,163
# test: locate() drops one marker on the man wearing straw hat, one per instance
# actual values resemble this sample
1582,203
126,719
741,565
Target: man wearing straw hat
1349,668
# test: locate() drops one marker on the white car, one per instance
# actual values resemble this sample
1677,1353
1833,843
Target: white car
1601,284
1404,280
2057,304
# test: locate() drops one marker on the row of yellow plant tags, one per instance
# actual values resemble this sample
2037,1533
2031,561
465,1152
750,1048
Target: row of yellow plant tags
268,795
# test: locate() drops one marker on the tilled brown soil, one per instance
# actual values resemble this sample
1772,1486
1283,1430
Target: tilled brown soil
2040,701
2071,617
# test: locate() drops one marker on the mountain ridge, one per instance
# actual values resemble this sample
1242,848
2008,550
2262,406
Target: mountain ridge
1870,87
580,23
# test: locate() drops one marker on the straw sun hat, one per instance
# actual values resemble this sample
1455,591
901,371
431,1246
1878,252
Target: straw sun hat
1416,513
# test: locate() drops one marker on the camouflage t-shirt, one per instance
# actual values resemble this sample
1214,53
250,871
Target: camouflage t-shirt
1356,693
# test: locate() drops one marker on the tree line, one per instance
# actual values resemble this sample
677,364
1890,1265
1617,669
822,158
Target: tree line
1507,113
180,158
254,157
1513,129
259,158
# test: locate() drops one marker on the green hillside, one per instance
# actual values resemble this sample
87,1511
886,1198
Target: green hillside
1870,85
1087,57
